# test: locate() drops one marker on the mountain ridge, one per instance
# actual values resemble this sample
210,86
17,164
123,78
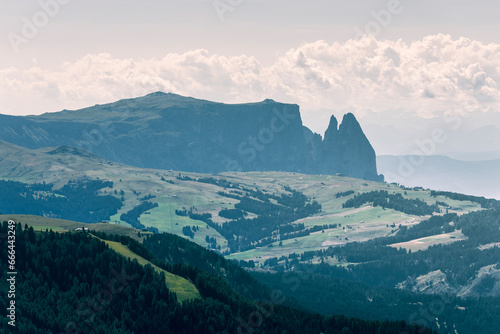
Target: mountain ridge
170,131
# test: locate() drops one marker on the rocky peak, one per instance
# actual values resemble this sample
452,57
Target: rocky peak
332,132
350,131
347,151
350,123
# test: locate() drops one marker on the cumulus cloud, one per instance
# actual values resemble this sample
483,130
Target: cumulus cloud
428,75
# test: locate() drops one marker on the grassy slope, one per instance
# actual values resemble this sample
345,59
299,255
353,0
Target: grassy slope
425,243
184,289
39,166
323,189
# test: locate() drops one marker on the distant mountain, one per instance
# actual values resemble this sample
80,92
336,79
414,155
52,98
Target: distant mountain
481,178
474,156
467,135
169,131
17,162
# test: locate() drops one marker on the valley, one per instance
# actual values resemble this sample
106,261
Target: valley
334,224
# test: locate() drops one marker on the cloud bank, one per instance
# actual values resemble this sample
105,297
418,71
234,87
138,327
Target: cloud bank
423,77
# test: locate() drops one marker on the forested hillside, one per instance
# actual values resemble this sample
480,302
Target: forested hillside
74,283
461,277
77,200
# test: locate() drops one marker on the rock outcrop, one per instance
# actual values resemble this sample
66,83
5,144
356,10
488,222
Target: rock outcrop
347,151
169,131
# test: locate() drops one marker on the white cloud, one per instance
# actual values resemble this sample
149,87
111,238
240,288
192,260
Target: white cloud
432,74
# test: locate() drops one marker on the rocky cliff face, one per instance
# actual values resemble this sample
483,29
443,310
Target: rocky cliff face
346,150
169,131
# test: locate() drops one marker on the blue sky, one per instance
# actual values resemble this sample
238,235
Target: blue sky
421,58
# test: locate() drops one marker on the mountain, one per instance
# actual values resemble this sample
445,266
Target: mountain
173,132
480,178
348,148
20,163
474,156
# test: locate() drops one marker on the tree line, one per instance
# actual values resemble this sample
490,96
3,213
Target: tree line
78,200
73,282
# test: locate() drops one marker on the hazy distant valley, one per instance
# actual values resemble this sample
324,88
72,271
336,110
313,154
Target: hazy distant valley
479,178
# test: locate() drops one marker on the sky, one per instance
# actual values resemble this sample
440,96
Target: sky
403,67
